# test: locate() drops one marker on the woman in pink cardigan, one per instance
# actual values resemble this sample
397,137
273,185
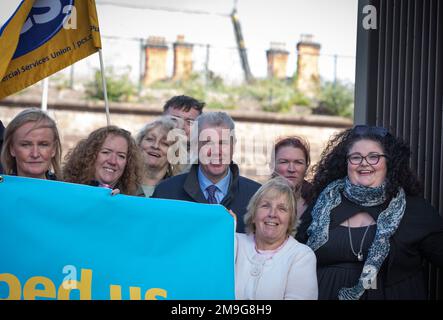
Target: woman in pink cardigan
269,262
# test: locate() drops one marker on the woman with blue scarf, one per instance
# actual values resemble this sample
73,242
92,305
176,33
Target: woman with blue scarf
369,228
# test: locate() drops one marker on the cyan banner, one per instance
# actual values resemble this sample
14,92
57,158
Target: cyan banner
68,241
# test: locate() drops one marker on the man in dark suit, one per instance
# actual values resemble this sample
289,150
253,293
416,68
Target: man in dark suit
215,178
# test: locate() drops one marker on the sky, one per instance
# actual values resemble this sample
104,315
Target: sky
332,23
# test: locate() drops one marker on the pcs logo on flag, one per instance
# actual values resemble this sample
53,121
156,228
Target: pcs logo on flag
45,20
42,37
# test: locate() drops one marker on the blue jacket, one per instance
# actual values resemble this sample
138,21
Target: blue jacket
186,187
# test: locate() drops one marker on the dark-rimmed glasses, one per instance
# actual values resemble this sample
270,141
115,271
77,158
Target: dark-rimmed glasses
372,158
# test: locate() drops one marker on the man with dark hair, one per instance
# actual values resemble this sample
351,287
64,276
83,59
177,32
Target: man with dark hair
215,179
2,130
184,107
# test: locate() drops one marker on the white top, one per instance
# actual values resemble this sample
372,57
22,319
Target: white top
148,190
289,274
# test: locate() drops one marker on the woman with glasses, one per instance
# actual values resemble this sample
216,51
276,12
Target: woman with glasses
109,158
269,263
369,228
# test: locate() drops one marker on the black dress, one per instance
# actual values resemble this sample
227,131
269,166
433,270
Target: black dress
418,237
337,266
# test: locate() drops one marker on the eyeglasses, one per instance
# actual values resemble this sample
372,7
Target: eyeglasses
372,158
364,129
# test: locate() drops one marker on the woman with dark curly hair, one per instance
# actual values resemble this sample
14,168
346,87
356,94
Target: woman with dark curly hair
291,160
108,157
369,228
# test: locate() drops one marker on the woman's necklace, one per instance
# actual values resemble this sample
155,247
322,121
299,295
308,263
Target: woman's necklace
359,255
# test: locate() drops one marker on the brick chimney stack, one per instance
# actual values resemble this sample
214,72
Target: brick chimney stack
182,59
156,58
308,76
277,58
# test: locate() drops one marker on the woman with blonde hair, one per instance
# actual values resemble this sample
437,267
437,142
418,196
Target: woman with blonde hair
31,146
160,144
269,262
108,157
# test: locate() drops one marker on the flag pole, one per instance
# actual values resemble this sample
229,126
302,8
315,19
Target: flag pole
45,85
105,92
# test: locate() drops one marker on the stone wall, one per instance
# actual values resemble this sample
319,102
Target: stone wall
255,134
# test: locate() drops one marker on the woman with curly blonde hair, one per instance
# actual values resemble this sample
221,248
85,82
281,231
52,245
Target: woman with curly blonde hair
108,157
161,142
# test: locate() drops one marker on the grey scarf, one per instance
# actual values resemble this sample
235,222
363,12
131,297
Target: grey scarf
387,224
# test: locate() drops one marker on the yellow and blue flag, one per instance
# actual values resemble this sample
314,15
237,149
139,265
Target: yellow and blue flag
44,36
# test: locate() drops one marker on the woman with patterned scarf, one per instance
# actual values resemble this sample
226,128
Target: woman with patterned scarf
368,227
